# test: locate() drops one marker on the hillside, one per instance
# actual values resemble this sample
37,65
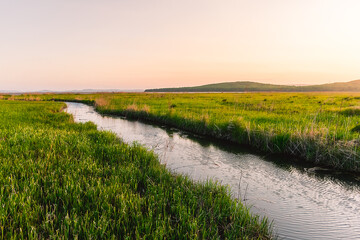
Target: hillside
246,86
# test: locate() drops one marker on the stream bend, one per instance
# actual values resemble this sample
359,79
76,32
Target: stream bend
302,204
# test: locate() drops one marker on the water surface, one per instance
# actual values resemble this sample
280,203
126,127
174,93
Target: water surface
302,205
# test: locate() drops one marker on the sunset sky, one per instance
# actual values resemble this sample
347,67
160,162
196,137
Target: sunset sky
138,44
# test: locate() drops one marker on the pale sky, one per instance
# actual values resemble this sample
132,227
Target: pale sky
138,44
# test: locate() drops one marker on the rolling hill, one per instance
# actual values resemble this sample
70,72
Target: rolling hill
246,86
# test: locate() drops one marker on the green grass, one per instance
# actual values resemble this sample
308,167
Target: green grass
60,179
319,127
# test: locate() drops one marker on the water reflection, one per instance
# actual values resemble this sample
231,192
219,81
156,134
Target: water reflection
303,204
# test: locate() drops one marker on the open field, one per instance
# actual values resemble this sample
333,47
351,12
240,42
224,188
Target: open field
65,180
319,127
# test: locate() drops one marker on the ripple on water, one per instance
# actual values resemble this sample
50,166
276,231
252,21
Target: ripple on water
302,205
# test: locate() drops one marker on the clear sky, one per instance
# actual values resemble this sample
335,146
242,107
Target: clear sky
132,44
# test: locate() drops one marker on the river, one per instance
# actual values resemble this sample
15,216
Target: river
302,204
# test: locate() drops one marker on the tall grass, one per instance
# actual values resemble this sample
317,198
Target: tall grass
59,179
317,127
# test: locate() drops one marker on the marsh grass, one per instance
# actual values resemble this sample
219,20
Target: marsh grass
351,111
59,179
100,102
317,127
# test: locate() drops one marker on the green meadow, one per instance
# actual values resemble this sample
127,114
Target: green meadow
60,179
318,127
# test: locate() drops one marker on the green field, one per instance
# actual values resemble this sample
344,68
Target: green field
60,179
319,127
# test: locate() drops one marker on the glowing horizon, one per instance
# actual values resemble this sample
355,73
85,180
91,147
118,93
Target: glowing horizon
66,45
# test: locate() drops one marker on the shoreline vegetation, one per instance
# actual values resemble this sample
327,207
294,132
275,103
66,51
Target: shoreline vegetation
322,128
61,179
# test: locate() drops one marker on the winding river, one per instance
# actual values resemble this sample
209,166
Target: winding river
303,204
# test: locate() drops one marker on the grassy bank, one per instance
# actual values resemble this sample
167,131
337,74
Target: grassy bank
59,179
318,127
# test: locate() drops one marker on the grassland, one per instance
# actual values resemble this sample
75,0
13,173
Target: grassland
59,179
319,127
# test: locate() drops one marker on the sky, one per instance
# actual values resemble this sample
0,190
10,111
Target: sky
139,44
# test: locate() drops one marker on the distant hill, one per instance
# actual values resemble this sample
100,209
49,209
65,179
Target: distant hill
352,86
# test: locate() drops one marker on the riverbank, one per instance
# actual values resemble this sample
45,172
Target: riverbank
301,204
63,179
317,127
